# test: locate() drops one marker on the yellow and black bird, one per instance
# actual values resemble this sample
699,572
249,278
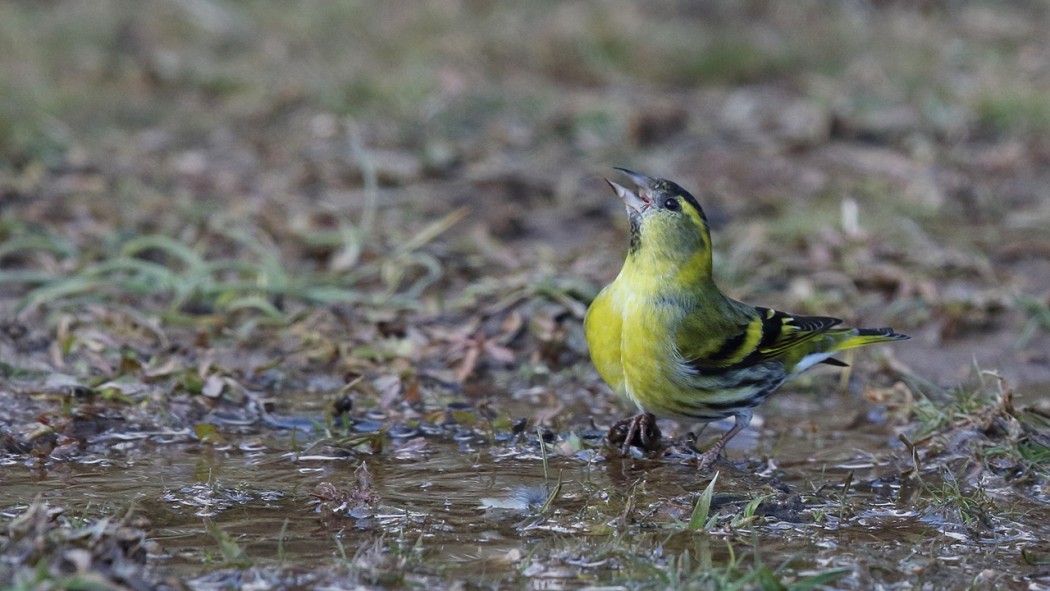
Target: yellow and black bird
664,336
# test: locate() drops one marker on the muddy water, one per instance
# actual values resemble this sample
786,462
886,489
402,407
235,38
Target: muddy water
470,506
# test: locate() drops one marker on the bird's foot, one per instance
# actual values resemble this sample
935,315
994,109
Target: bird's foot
640,431
708,458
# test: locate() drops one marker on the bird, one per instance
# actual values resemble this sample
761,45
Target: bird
665,337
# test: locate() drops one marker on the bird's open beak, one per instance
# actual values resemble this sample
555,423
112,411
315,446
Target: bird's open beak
636,202
641,180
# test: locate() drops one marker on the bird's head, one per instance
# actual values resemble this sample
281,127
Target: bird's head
669,229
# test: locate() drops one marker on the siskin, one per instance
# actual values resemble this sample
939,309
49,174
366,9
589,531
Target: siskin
664,336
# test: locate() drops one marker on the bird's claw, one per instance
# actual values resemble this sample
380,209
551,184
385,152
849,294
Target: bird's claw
640,431
707,459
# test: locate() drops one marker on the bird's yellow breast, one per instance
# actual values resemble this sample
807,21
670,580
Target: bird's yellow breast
603,326
629,335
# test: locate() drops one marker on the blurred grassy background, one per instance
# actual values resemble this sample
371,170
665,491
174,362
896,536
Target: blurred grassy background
76,73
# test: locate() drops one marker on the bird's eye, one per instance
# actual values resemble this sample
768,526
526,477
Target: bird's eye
671,204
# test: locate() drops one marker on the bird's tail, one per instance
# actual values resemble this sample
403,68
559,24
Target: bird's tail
859,337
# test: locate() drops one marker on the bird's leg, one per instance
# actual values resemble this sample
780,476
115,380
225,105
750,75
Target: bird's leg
632,432
708,457
641,431
649,432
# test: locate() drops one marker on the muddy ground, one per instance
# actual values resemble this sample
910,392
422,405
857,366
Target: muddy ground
291,295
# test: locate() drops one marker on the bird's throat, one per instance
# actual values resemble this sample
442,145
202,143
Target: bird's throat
653,266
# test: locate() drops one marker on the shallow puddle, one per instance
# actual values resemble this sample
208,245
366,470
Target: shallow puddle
469,505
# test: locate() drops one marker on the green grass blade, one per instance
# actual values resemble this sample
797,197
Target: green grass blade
26,277
818,580
165,244
698,520
50,244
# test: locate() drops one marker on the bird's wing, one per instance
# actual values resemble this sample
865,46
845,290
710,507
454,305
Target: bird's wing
758,336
